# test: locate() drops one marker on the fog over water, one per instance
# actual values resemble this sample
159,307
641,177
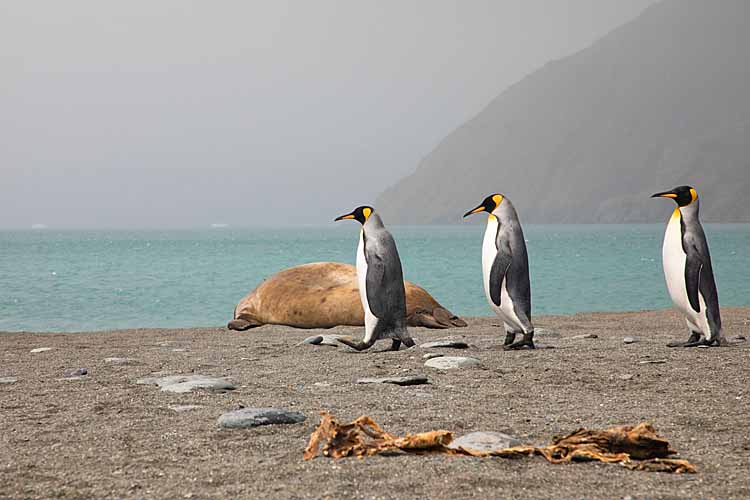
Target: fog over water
184,114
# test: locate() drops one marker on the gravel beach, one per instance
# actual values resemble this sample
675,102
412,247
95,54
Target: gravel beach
75,424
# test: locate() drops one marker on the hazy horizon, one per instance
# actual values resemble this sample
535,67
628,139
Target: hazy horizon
177,114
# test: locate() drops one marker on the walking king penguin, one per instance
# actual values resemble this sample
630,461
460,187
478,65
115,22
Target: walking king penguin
381,283
688,271
505,270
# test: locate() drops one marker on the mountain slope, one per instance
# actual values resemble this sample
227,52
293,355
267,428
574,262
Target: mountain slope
661,101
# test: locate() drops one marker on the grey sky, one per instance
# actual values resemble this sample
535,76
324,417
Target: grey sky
177,113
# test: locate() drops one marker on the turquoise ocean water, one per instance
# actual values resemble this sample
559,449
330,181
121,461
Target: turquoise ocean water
95,280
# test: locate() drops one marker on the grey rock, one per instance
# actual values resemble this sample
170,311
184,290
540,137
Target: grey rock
121,361
485,441
626,376
331,340
253,417
585,336
407,380
186,383
652,362
629,340
41,349
445,343
8,380
77,372
184,408
451,362
431,355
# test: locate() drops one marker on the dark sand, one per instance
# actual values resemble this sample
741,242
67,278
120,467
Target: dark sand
106,437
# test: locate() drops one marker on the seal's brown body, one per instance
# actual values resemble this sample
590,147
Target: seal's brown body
324,295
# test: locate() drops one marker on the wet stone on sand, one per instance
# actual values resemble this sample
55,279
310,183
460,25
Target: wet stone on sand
121,361
485,441
246,418
8,380
185,383
41,349
431,355
331,340
407,380
629,340
452,362
445,343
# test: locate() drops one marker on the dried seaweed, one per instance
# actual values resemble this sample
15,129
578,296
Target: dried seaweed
635,447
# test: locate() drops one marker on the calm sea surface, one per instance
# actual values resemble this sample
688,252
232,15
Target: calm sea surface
94,280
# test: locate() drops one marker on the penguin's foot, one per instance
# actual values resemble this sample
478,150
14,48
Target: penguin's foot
526,342
357,346
510,337
693,341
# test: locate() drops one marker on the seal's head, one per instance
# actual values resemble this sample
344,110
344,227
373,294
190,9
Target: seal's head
360,214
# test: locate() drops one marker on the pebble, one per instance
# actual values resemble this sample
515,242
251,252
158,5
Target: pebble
626,376
629,340
408,380
485,441
652,362
331,340
253,417
586,336
451,362
121,361
431,355
704,346
448,343
78,372
41,349
186,383
8,380
184,408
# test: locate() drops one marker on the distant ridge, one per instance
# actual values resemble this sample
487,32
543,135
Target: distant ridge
661,101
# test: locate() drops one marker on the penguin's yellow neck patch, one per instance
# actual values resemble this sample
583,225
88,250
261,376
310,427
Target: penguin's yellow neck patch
676,214
492,216
366,212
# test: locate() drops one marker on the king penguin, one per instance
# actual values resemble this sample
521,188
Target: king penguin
381,282
505,270
688,270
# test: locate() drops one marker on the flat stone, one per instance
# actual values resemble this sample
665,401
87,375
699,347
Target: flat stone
451,362
184,408
186,383
485,442
585,336
627,376
41,349
179,349
652,362
77,372
629,340
431,355
445,343
253,417
121,361
407,380
8,380
331,340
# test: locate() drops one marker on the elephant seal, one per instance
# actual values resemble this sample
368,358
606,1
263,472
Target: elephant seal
324,295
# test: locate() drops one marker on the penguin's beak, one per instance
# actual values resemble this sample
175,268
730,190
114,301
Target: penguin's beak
665,194
342,217
480,208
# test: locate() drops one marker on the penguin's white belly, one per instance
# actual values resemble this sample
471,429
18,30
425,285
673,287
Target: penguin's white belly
370,320
674,260
505,311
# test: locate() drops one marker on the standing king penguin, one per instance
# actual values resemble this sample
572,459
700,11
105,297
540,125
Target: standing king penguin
505,270
381,283
688,271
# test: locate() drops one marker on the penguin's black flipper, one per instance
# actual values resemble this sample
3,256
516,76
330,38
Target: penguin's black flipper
499,270
693,267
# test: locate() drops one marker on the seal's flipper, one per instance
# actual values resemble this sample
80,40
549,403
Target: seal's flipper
241,324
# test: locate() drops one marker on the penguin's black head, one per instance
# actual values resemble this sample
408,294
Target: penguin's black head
360,214
683,195
488,205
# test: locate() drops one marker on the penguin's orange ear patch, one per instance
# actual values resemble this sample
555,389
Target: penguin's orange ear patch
366,212
694,194
498,198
